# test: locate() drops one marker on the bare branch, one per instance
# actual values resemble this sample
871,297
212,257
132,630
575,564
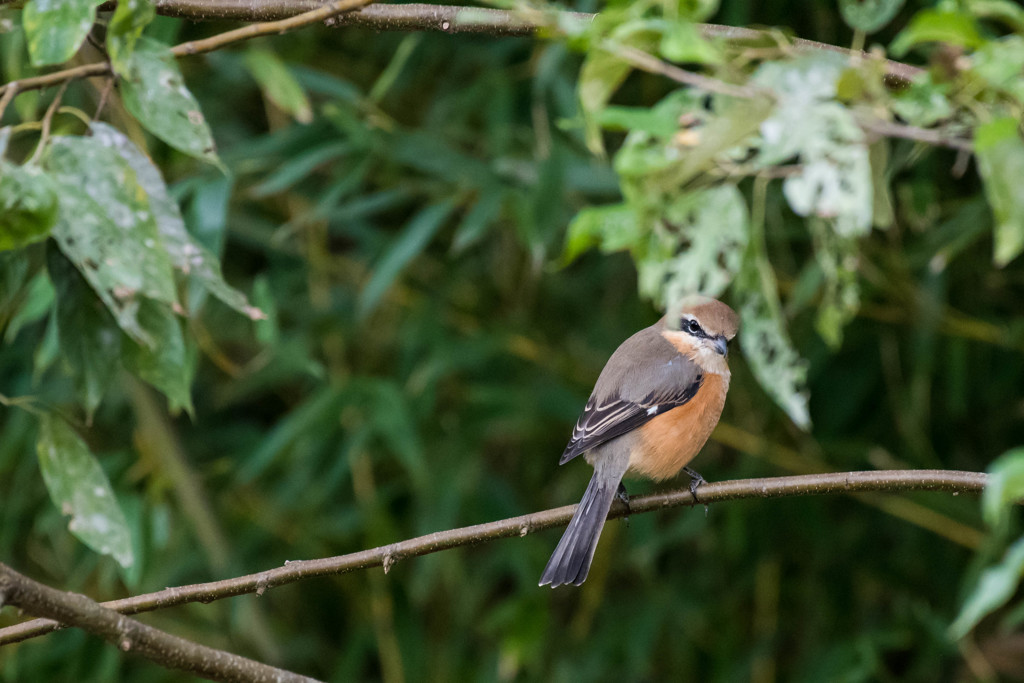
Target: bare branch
889,481
130,635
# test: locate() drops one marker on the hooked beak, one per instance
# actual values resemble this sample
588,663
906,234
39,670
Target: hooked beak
721,345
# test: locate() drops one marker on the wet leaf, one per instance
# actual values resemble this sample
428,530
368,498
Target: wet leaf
186,255
155,93
79,488
106,227
28,205
55,28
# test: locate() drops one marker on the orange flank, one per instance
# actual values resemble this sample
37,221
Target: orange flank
670,441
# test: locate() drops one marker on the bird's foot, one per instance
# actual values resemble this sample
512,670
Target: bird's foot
695,483
623,495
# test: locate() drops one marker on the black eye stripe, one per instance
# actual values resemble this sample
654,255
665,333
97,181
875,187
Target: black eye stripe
692,327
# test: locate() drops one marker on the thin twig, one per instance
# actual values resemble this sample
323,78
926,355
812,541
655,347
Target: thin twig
5,99
193,47
47,122
130,635
930,136
456,19
651,64
889,481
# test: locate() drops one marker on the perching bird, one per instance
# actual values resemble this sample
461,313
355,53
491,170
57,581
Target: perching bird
654,406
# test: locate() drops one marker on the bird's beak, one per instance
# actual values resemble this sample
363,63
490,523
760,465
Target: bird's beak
721,345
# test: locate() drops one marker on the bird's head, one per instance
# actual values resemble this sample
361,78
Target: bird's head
701,329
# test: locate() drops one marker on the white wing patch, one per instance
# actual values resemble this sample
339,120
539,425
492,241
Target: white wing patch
653,410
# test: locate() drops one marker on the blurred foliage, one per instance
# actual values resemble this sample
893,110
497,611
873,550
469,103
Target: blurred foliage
420,328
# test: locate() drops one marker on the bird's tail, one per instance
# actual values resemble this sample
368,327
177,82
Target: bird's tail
571,560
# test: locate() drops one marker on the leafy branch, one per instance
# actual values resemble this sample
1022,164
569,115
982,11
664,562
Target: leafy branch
888,481
129,635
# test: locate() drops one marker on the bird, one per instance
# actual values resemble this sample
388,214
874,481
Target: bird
654,405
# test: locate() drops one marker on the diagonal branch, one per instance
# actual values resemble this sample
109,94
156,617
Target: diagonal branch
888,481
130,635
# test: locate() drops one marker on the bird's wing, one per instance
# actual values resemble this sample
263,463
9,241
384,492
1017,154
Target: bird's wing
605,418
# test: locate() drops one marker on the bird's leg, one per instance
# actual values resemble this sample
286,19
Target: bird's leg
623,495
695,483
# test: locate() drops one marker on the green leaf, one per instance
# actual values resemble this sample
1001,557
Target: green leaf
996,585
414,238
808,124
869,15
186,255
613,228
710,230
601,75
924,103
130,18
1000,153
479,218
837,257
55,28
155,93
682,42
937,26
1005,487
278,84
1000,63
79,488
89,337
1007,11
165,365
779,369
106,228
28,205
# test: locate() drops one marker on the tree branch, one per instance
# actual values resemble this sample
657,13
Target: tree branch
129,635
193,47
456,19
890,481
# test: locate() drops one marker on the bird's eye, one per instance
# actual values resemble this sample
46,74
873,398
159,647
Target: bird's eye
692,327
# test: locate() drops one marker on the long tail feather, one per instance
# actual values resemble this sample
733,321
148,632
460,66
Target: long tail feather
571,560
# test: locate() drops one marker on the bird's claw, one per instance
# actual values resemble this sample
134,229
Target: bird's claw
696,481
623,495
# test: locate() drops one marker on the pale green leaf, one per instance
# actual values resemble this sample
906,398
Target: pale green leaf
155,93
837,257
106,227
938,26
601,75
79,488
869,15
682,42
711,229
278,84
130,18
612,228
1005,487
996,585
56,28
820,133
1000,153
186,255
28,205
